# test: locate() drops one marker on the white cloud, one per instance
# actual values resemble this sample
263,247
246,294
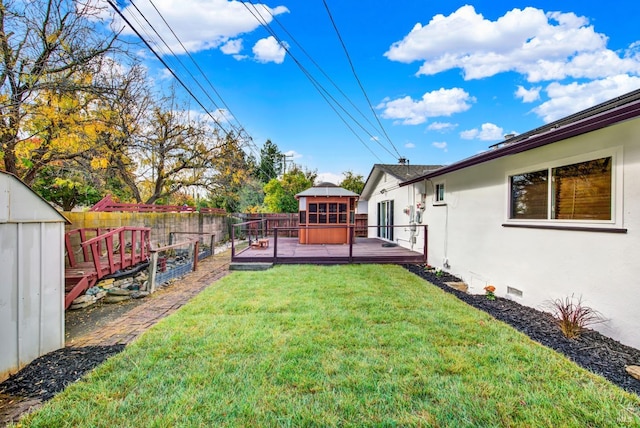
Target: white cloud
232,47
328,177
528,95
440,145
487,132
567,99
441,126
269,50
539,45
202,24
410,146
443,102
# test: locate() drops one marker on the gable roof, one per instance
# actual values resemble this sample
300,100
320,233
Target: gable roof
326,189
20,204
617,110
399,171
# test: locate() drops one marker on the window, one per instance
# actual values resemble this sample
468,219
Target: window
439,192
313,213
343,212
303,217
579,191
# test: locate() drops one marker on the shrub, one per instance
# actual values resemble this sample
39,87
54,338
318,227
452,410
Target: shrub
573,316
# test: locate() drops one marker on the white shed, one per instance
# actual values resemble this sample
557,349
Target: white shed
32,267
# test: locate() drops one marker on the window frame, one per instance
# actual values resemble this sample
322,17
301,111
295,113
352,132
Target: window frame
437,200
616,190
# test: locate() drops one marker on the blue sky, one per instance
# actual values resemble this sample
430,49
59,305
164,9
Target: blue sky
445,79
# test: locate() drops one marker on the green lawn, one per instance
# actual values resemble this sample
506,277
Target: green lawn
349,345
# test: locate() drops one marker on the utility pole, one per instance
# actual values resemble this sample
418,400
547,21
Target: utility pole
286,159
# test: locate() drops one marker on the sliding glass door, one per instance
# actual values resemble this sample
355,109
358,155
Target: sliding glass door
385,220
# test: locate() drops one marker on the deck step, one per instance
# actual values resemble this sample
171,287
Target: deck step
250,266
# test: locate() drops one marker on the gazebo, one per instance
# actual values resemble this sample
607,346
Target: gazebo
326,211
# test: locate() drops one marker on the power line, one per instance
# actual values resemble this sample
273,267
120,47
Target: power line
202,73
323,92
164,63
344,47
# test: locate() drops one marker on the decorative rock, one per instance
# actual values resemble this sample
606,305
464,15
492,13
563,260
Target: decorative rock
115,299
84,299
81,305
118,292
634,371
461,286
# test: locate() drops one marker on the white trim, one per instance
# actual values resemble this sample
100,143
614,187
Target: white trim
616,154
434,199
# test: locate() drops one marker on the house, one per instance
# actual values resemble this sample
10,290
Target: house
391,208
322,206
32,264
551,213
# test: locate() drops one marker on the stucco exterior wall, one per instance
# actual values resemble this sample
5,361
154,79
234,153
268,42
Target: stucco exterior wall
388,189
468,235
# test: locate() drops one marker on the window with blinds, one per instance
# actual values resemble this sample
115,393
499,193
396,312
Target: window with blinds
580,191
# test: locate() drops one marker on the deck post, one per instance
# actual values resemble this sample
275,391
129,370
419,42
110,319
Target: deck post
275,245
426,240
233,241
350,244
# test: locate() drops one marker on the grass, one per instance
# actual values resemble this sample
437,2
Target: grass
349,345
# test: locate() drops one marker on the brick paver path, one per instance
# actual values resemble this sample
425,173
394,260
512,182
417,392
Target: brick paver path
130,325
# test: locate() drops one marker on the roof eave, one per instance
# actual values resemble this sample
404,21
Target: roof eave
584,126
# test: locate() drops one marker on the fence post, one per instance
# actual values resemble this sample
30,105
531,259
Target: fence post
212,242
195,255
153,269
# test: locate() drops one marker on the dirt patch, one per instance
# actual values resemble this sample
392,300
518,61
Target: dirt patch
593,351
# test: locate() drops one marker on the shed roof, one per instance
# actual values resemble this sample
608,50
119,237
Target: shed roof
617,110
20,204
326,189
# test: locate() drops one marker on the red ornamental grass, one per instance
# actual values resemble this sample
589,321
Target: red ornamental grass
573,316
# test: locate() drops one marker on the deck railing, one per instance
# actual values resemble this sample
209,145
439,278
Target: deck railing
252,231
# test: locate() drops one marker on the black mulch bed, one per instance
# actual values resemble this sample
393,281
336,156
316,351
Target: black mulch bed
592,350
49,374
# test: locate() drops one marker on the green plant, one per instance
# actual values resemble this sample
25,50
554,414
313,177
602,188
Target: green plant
490,292
573,316
439,273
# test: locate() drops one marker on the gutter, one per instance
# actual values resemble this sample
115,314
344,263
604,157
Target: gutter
593,123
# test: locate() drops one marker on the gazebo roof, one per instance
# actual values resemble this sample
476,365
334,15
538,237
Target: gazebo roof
327,189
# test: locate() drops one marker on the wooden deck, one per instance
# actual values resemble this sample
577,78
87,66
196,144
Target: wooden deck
364,250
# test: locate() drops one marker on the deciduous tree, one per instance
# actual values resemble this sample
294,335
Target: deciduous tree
49,50
280,193
353,182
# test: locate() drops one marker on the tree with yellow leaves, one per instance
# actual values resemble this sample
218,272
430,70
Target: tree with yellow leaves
50,50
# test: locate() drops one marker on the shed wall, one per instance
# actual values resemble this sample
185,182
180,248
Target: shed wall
31,292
